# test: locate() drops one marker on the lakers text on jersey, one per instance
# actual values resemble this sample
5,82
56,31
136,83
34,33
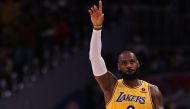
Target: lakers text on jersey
125,97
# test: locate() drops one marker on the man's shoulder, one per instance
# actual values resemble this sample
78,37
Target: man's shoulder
153,89
150,84
153,86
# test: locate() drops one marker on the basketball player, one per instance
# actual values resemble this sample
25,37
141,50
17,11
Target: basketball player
129,92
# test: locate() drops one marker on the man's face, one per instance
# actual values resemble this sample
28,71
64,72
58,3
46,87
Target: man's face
128,64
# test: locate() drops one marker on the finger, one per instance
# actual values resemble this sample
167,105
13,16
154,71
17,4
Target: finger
95,8
100,5
90,12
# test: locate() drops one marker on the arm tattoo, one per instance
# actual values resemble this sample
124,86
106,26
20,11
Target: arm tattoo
157,98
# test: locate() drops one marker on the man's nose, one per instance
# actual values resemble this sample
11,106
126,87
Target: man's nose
129,66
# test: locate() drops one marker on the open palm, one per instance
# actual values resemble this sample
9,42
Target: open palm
96,15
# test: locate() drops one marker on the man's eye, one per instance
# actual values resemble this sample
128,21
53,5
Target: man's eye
124,62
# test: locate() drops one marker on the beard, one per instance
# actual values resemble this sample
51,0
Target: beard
130,76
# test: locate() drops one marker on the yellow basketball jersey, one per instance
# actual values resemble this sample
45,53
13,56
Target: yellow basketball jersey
125,97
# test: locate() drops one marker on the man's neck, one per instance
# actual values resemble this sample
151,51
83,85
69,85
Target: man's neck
133,83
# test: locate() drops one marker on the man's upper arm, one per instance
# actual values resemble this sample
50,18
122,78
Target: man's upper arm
157,97
107,83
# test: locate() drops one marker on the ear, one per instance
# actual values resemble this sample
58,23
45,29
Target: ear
138,64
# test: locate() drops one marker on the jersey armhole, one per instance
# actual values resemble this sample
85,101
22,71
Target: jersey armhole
115,87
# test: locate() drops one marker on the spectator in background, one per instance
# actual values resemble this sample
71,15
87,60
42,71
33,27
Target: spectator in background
6,69
157,62
72,104
10,10
61,31
170,105
177,59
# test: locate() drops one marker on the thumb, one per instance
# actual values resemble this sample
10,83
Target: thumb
102,16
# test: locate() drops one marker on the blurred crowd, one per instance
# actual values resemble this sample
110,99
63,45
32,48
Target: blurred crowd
35,35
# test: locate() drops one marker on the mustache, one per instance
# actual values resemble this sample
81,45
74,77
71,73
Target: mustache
130,76
129,70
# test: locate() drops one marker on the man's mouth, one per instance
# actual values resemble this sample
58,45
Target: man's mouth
129,71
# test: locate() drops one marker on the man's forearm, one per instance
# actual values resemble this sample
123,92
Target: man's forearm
97,62
95,44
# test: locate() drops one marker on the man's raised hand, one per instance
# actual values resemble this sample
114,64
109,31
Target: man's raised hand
96,15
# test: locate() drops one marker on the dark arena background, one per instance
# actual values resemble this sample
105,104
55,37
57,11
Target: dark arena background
44,45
